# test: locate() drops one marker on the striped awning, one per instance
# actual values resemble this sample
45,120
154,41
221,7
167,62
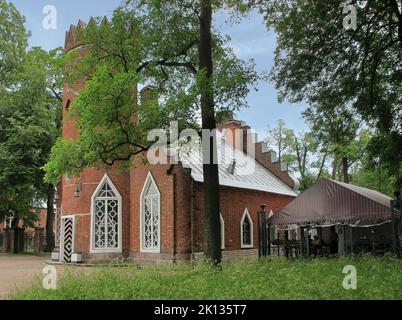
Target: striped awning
333,202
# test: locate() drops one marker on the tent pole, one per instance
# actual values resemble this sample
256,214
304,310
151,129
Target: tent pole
301,242
394,231
278,238
269,239
351,240
307,241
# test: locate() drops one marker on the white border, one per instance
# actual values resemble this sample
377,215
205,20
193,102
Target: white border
222,231
150,179
119,227
247,214
62,236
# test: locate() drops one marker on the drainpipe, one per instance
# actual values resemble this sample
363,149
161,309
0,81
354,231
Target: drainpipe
351,240
170,172
174,217
192,195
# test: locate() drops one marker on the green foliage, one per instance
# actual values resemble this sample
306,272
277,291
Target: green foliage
281,139
30,85
13,42
304,153
274,278
153,43
360,70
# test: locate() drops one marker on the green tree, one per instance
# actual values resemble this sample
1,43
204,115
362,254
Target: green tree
28,129
317,59
13,43
172,47
336,128
368,171
43,73
281,139
302,151
310,158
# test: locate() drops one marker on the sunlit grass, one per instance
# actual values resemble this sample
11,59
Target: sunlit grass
276,278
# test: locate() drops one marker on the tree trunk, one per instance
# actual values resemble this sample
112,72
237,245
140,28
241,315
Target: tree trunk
212,233
345,169
334,167
14,227
321,166
50,219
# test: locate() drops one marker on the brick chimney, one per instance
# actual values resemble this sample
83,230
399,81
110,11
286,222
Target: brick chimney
237,133
240,135
269,159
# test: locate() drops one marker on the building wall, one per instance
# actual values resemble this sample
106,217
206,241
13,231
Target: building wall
87,182
164,182
181,209
80,205
41,223
181,215
233,202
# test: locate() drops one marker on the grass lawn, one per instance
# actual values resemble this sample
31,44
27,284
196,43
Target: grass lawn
273,278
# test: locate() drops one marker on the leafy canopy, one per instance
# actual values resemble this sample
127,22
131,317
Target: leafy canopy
360,70
155,44
29,83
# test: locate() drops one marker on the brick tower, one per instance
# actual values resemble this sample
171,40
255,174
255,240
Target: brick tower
76,193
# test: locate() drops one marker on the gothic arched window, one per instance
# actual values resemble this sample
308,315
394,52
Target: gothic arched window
150,216
246,230
106,218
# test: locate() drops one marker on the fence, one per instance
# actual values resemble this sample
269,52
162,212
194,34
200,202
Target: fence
279,245
16,240
29,243
1,241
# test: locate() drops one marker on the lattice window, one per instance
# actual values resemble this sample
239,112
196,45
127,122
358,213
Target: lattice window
106,217
246,230
150,216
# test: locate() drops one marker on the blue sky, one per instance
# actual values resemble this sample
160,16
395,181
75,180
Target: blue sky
250,39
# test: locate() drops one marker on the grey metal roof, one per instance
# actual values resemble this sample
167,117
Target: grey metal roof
248,173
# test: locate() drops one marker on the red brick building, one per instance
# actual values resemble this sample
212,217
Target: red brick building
155,212
40,224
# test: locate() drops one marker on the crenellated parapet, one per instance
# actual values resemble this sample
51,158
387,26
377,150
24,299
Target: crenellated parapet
72,39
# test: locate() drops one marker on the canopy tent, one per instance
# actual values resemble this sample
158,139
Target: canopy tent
331,202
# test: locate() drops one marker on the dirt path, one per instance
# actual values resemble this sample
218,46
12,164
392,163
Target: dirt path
17,272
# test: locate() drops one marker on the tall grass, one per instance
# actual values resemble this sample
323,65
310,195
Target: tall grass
273,278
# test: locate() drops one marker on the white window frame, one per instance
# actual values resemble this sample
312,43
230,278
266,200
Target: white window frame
222,231
247,214
149,180
119,248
